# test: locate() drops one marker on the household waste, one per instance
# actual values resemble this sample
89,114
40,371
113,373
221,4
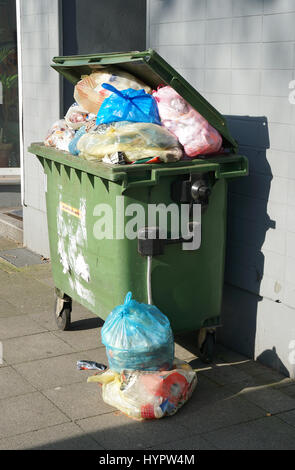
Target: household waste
138,336
148,395
118,119
196,135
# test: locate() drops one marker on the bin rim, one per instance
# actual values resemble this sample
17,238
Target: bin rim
130,176
153,70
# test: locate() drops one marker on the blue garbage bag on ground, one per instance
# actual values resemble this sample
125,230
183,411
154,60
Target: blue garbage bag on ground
138,337
128,105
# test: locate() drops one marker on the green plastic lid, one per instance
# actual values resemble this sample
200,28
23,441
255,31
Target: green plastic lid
153,70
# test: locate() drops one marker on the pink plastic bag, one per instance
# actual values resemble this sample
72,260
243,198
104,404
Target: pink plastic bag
196,135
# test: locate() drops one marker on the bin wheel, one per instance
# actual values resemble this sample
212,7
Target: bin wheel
206,345
62,312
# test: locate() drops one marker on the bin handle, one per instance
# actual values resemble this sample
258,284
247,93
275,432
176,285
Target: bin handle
156,173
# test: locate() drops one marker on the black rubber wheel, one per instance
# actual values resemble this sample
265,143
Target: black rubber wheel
63,320
206,350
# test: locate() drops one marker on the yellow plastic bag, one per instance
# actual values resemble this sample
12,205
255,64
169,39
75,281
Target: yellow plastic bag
148,395
89,93
136,140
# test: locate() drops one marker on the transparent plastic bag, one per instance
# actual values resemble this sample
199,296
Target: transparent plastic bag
128,105
138,337
148,395
77,117
59,136
196,135
89,92
135,140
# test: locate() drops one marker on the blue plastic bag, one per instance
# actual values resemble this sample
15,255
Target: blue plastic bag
138,337
128,105
73,144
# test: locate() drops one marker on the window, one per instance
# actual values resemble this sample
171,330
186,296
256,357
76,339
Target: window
9,117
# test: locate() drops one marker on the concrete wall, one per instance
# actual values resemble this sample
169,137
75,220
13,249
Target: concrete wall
40,42
240,54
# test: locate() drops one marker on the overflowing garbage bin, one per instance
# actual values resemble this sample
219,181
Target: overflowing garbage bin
91,201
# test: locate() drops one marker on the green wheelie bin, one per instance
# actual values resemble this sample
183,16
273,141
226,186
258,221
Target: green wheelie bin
97,272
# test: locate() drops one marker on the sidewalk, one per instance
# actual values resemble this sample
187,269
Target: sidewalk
46,403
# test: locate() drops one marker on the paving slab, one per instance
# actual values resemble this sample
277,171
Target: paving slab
257,370
81,318
28,413
116,431
16,326
288,417
38,346
84,334
269,399
195,442
262,434
229,356
223,412
32,296
21,256
12,384
225,374
7,309
62,437
79,400
48,373
7,243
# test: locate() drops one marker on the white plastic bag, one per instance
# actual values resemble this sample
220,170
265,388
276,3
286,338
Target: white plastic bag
77,117
59,136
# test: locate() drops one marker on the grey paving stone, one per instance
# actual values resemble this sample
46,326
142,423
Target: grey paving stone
288,417
225,374
28,413
81,318
79,400
12,384
268,433
204,417
195,442
62,437
6,243
257,370
116,431
84,334
28,348
7,309
16,326
271,400
289,390
61,370
230,356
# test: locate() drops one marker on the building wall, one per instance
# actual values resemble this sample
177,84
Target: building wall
41,40
41,107
240,54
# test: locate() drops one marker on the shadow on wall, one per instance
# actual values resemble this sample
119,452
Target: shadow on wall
248,223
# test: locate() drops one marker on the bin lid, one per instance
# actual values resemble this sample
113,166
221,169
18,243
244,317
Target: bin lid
153,70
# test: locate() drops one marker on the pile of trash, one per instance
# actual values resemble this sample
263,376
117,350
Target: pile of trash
144,380
118,119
